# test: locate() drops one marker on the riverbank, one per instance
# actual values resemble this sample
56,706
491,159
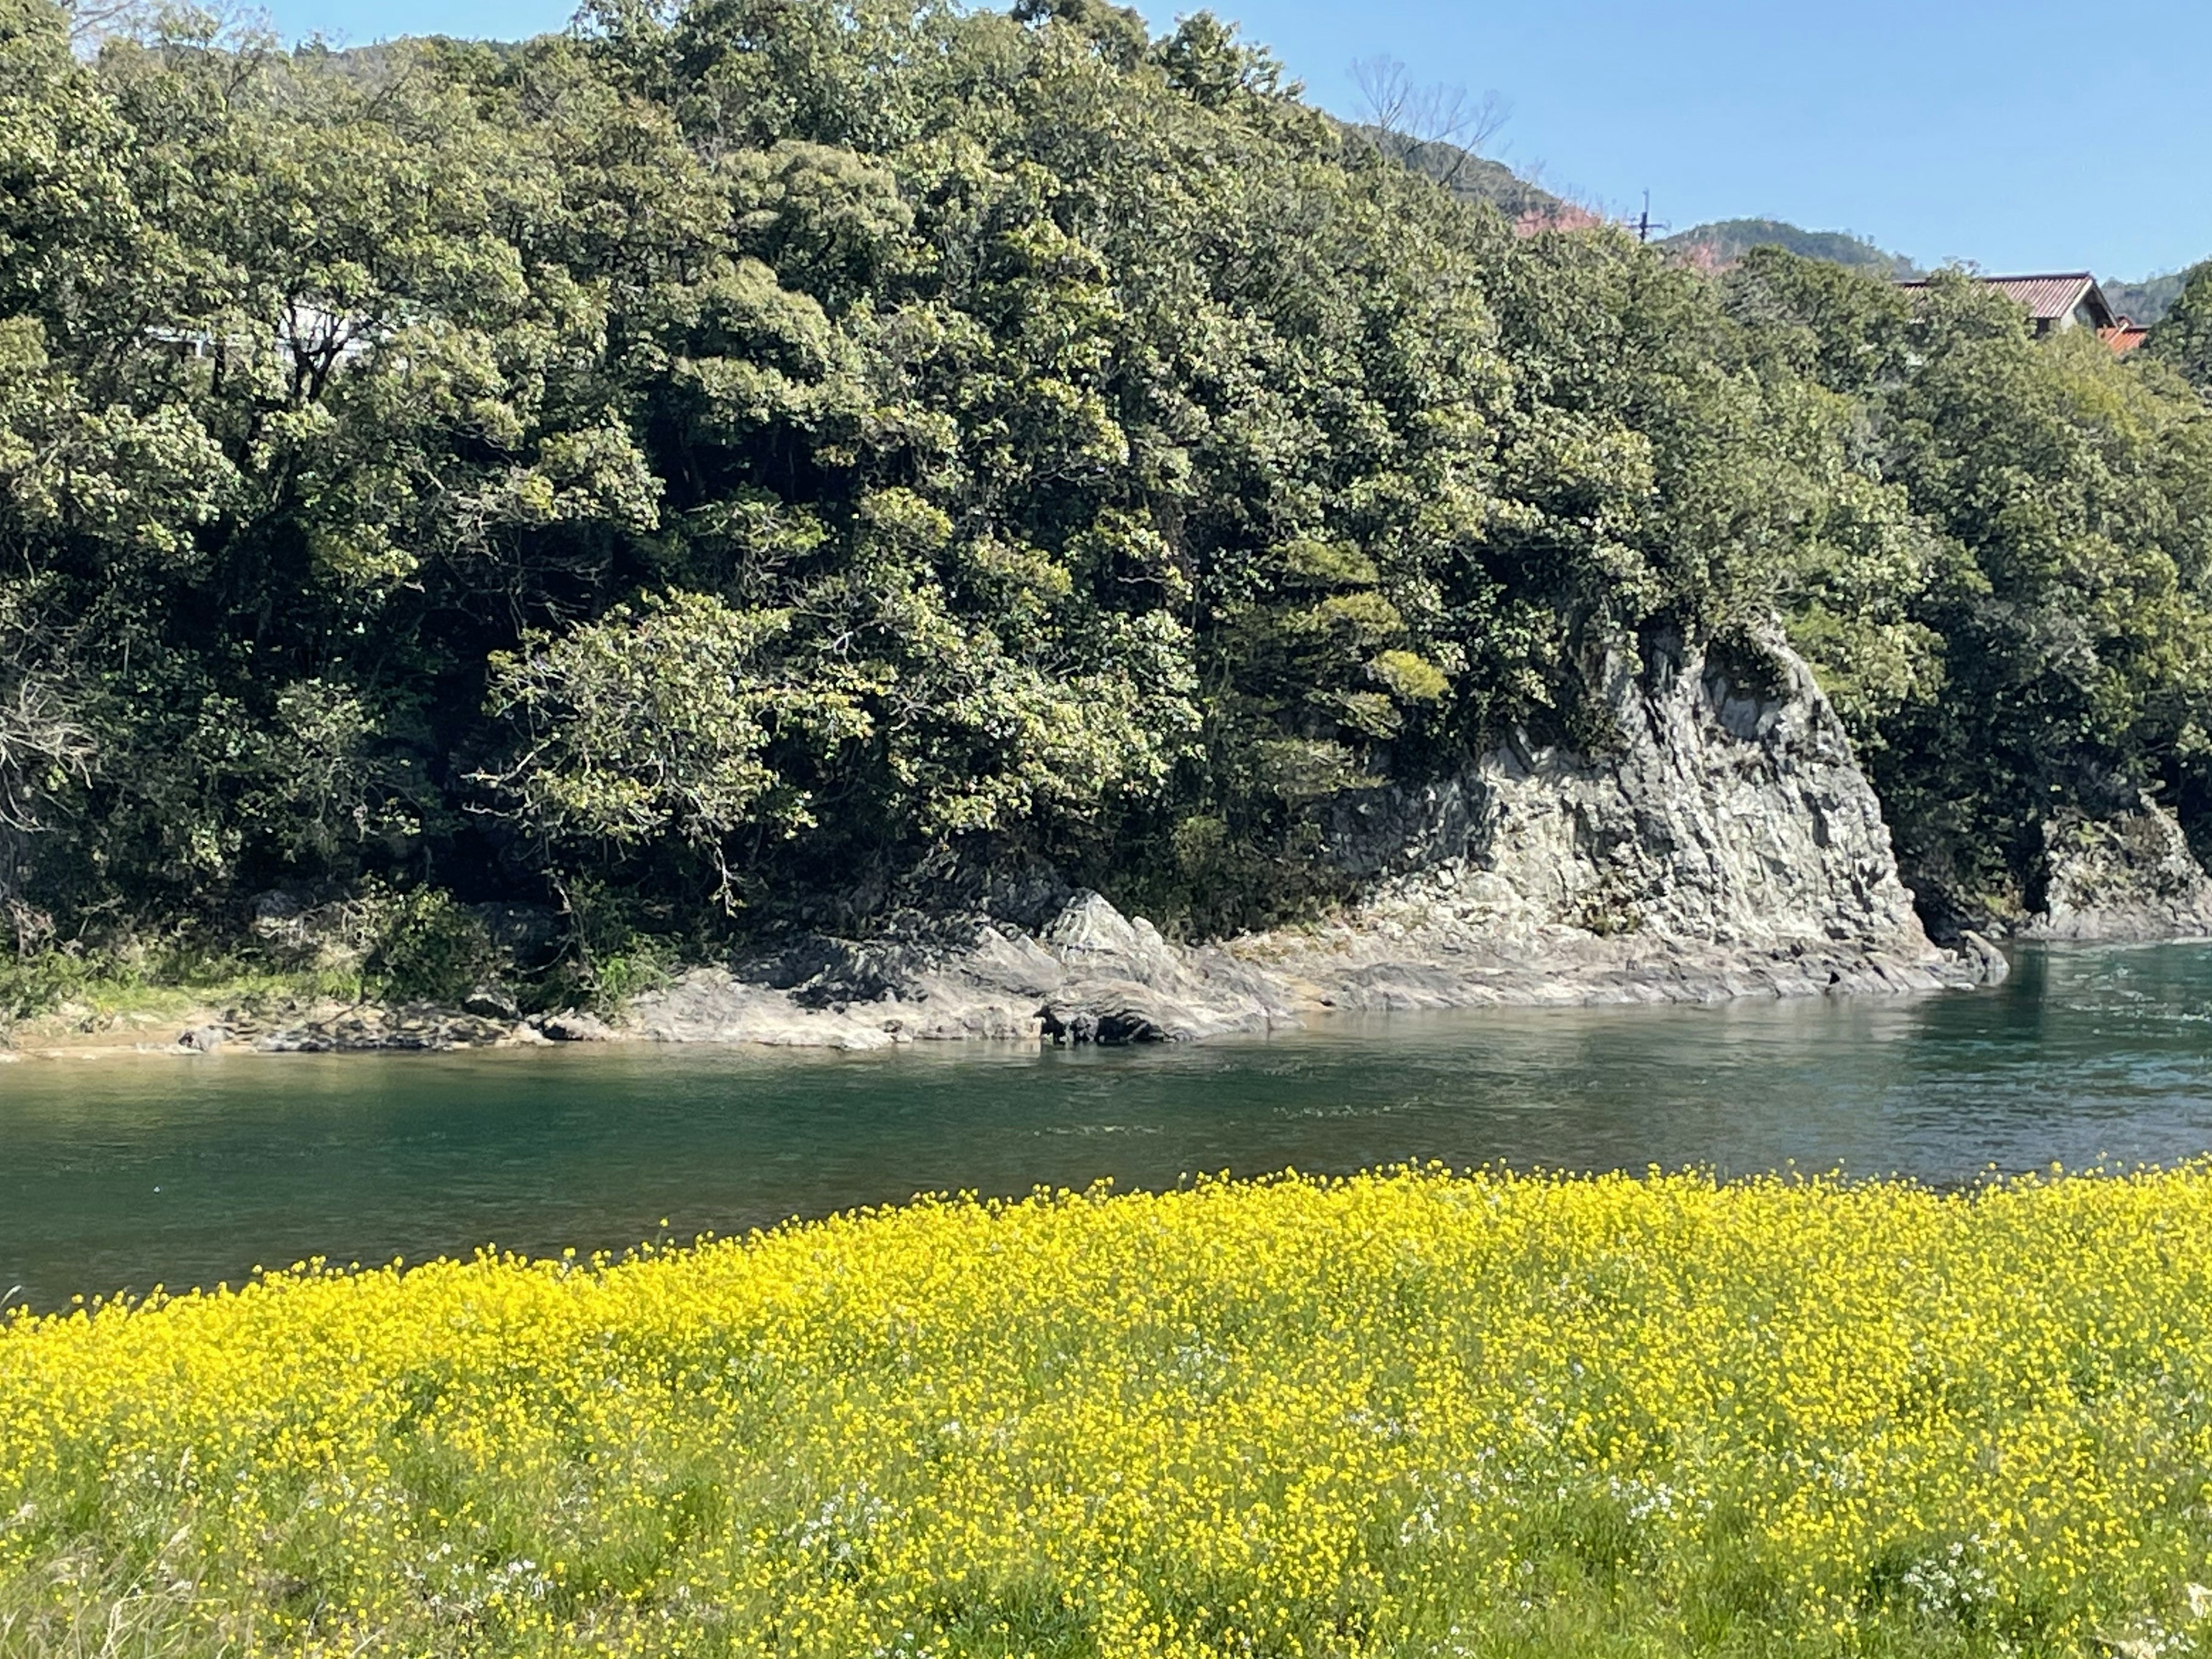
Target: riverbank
1390,1415
1088,974
271,1014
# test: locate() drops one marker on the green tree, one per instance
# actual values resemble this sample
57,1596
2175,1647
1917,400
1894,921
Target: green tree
2015,615
749,450
2183,337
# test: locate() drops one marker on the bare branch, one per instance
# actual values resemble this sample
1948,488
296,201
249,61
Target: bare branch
1412,120
92,22
1384,92
41,749
232,25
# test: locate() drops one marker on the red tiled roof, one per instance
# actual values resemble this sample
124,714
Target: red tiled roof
2124,337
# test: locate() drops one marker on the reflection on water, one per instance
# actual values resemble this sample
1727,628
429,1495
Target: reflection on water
120,1173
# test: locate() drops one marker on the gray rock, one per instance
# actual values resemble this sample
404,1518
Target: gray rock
1991,961
489,1002
575,1026
1727,844
203,1039
2130,878
711,1004
369,1028
1727,812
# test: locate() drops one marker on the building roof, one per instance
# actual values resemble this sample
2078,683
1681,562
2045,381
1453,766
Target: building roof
2051,296
2123,336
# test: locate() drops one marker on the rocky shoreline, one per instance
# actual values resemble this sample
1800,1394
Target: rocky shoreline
1724,844
1092,975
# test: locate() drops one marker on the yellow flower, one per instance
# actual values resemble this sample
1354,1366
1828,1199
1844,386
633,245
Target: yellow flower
1406,1412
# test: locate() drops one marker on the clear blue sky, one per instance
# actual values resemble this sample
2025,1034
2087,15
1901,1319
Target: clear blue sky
2032,135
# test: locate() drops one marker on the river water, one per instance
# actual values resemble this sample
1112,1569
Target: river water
120,1173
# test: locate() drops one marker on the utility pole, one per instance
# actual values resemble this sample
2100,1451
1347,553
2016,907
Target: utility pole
1644,224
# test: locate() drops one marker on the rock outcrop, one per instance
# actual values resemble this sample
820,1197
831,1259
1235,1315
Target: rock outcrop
2131,879
1726,845
1089,974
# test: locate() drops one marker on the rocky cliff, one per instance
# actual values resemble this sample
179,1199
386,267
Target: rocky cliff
1724,844
2129,877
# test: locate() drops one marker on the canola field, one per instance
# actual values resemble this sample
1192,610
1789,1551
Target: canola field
1409,1413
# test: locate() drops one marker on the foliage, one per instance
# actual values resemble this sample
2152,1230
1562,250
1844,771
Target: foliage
652,724
2010,590
742,452
92,991
2183,336
1403,1414
424,947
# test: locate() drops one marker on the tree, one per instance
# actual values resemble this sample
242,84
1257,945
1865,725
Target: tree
750,452
2183,337
2018,611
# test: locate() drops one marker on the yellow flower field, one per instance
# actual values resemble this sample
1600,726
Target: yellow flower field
1407,1413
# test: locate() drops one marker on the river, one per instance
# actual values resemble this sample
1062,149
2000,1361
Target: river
119,1172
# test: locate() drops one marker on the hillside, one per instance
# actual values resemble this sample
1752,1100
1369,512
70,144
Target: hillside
2146,302
1467,176
1724,242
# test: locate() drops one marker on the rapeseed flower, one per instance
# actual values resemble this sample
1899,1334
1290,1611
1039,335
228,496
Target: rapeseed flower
1406,1412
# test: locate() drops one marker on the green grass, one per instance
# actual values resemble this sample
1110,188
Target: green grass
92,993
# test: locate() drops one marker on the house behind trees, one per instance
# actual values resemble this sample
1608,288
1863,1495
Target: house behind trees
2060,300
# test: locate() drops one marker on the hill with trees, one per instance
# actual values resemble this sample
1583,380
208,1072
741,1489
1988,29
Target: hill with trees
1724,242
700,469
1466,175
2146,302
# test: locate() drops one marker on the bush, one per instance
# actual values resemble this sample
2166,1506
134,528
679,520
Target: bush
427,948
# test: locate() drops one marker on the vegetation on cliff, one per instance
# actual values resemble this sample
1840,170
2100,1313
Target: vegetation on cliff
2015,622
723,456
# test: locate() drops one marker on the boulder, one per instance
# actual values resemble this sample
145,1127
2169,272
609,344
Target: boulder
575,1026
489,1002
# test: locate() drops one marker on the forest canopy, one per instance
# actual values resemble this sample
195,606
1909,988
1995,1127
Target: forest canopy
721,455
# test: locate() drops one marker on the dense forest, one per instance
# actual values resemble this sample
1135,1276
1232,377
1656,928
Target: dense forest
714,462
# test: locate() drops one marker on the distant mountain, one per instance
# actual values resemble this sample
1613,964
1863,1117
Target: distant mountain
1716,245
2145,302
1725,242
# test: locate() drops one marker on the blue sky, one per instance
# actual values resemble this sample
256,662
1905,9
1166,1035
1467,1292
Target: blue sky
2032,135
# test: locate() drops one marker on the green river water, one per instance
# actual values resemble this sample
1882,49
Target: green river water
120,1173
